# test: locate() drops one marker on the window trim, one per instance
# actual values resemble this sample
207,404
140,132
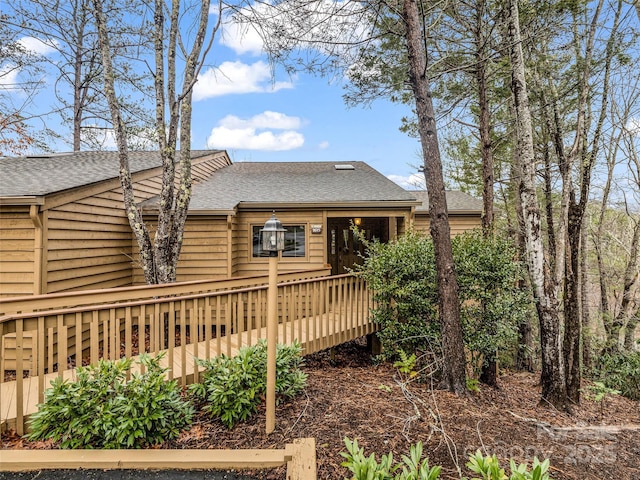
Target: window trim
305,258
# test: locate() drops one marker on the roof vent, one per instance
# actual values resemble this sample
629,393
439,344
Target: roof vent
344,166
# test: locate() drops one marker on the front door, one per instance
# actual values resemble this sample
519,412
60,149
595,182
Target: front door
344,249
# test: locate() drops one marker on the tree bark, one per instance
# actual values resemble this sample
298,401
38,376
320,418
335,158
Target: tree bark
630,333
454,372
585,309
612,343
160,258
552,378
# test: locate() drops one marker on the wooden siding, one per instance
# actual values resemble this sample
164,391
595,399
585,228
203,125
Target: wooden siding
17,255
315,243
204,250
88,244
459,223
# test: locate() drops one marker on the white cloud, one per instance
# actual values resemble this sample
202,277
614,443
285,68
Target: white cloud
241,38
237,77
323,145
264,120
9,77
415,181
256,133
36,46
633,126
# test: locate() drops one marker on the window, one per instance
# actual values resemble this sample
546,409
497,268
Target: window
295,245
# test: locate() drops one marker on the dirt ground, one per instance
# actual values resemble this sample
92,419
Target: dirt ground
351,396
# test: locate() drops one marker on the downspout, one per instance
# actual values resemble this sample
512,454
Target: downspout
38,263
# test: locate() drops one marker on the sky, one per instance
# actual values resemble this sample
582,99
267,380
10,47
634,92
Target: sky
243,107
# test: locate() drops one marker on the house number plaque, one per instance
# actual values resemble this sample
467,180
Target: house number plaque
316,228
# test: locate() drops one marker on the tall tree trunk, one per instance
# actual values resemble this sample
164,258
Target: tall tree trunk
612,343
552,378
454,372
585,309
630,332
489,374
173,122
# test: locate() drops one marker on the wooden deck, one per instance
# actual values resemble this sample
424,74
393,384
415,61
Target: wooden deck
341,322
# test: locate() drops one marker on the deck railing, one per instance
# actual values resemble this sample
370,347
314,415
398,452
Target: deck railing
38,346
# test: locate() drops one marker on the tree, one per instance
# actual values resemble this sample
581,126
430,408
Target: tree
449,306
19,83
325,37
173,127
544,291
68,29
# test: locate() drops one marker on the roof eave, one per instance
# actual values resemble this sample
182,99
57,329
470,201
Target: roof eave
342,204
23,200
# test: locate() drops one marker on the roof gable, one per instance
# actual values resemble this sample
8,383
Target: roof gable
294,183
41,175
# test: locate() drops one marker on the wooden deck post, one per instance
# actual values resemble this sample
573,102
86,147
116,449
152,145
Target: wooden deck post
302,465
272,339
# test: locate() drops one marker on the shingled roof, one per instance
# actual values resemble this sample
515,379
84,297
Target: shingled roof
295,183
40,175
457,202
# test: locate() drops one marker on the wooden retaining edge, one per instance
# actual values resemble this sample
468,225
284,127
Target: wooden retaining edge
300,458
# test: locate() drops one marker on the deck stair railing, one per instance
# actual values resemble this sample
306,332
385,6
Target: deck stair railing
38,346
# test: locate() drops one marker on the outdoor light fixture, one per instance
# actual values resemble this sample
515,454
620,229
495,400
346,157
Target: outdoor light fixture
272,242
357,221
273,236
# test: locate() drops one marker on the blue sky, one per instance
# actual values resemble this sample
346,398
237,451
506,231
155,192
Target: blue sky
241,106
257,116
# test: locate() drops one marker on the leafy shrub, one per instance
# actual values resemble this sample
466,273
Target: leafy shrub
413,467
403,278
492,304
489,469
101,409
620,371
233,387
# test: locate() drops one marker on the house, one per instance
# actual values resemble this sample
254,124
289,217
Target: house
63,228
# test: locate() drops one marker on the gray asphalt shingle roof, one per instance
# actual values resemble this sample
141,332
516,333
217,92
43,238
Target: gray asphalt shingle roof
456,202
44,174
294,182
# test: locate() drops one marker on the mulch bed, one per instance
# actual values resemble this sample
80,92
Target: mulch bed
350,395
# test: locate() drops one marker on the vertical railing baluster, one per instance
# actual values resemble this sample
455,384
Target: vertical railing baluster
42,329
19,378
194,337
183,342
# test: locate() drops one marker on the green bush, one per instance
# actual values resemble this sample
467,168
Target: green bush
492,304
403,278
101,409
620,371
233,387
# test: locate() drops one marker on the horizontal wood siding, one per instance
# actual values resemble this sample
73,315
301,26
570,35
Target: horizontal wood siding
17,243
204,250
458,223
242,238
88,244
